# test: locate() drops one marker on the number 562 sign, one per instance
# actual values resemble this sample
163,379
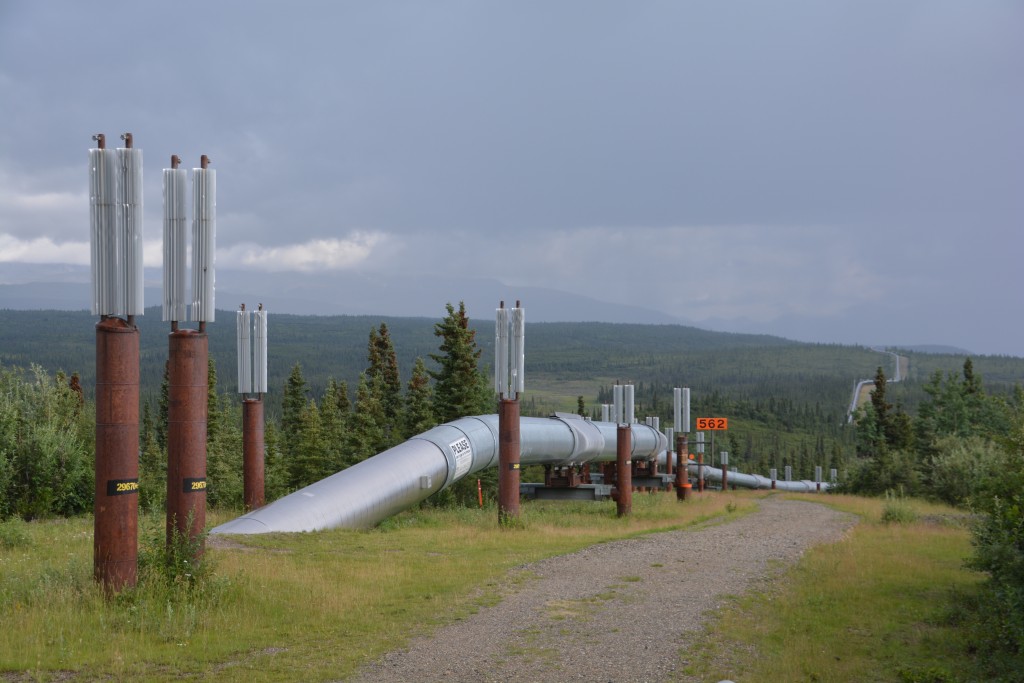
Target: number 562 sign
710,424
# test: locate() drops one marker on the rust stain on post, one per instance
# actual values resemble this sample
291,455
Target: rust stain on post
508,460
623,468
253,453
186,434
116,511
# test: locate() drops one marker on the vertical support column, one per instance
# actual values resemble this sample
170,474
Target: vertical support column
508,460
723,463
774,474
817,478
186,434
683,487
253,452
116,511
700,472
670,437
624,471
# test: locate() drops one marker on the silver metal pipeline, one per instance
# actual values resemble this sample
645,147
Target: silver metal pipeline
756,481
369,492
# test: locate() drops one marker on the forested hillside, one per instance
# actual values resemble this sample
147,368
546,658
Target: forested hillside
786,400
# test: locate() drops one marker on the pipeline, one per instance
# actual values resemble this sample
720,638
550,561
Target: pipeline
369,492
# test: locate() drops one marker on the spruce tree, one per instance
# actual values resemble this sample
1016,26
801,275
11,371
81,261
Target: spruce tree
384,363
294,402
460,388
365,437
418,415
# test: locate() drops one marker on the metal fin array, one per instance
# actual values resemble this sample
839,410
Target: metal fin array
252,351
244,352
129,228
681,409
102,209
175,245
501,352
204,239
115,237
259,347
518,355
509,355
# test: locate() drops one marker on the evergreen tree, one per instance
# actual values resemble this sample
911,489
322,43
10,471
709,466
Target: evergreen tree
365,437
392,394
880,405
152,465
581,407
163,406
418,415
212,413
384,363
334,424
307,463
293,403
460,388
275,470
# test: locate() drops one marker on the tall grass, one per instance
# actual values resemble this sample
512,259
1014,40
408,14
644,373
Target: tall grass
291,606
878,605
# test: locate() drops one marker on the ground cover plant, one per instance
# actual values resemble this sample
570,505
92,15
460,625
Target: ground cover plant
287,606
886,603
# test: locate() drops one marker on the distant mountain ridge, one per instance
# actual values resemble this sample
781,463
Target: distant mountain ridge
352,294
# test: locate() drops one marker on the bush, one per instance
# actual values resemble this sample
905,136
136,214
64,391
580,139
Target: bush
897,510
961,467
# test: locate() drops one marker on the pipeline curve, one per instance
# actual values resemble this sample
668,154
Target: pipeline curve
369,492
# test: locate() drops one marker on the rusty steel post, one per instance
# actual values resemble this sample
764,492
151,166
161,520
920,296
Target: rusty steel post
624,470
186,435
725,477
683,487
508,460
116,507
252,453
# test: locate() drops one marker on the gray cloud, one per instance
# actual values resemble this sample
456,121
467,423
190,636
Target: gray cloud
782,159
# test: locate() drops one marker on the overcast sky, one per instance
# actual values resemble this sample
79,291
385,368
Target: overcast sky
829,165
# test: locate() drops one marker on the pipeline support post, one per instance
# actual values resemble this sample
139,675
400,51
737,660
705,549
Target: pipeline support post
683,487
624,470
253,453
116,507
186,436
508,460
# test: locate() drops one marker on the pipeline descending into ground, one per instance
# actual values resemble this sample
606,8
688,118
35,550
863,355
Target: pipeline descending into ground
369,492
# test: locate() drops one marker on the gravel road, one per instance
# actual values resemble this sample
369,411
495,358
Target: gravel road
619,611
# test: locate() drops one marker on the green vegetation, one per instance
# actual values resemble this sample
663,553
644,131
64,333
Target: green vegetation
883,604
939,434
286,606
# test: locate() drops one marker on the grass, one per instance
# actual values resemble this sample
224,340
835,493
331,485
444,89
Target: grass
291,606
876,606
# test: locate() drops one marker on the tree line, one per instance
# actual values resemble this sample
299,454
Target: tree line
47,426
964,446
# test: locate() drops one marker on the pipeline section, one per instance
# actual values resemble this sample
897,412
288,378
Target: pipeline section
369,492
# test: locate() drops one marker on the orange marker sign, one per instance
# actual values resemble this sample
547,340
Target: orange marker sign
711,424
